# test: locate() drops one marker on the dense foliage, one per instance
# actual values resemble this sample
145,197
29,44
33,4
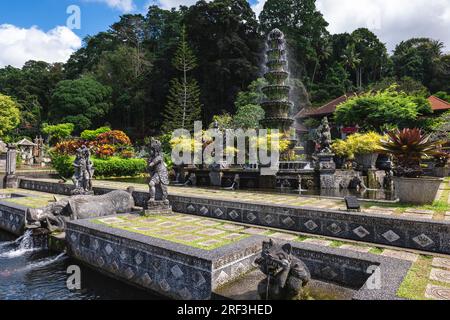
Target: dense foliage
382,110
9,114
111,167
57,132
124,77
357,143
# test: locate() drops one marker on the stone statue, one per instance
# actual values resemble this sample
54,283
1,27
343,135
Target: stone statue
191,180
325,136
54,216
159,179
84,172
286,274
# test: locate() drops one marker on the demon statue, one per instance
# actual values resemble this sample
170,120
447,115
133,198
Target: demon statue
325,136
54,216
84,172
286,275
159,180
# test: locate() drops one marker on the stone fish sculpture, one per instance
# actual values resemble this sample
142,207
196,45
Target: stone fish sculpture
286,275
54,216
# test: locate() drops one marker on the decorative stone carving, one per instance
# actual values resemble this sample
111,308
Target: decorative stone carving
159,181
286,274
325,136
55,215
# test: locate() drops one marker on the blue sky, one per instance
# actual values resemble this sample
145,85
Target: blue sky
31,29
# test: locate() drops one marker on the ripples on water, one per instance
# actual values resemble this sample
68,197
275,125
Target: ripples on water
27,273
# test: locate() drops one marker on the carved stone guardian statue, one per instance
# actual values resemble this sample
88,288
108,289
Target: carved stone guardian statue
159,181
286,275
84,172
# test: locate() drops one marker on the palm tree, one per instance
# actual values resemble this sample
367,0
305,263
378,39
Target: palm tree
323,52
352,61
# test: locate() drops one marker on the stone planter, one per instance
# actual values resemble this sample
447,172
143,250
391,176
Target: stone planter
383,162
340,161
417,190
366,161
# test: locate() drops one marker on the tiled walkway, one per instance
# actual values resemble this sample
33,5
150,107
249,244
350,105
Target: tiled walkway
296,200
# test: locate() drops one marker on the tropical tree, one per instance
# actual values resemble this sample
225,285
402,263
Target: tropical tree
183,105
9,115
83,102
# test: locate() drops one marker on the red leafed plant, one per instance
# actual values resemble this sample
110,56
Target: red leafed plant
408,147
114,137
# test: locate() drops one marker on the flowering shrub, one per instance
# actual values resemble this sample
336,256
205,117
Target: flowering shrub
104,150
68,147
114,137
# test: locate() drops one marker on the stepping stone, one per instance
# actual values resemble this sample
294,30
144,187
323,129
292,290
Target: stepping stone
437,292
355,248
187,219
189,238
168,224
283,236
209,243
318,242
232,236
419,211
441,263
256,231
142,229
111,220
188,228
210,232
440,275
402,255
165,233
231,227
208,223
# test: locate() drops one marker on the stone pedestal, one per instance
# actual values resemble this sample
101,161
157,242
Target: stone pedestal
326,168
10,180
158,207
215,178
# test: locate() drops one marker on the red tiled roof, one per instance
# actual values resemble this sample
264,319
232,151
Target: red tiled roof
329,108
326,109
438,104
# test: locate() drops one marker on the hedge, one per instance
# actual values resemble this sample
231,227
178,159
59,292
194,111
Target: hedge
112,167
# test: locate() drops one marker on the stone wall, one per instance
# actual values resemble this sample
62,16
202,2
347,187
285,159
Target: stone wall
411,233
171,270
405,232
12,218
353,270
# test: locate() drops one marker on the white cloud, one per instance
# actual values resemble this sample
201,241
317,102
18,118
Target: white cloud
18,45
122,5
391,20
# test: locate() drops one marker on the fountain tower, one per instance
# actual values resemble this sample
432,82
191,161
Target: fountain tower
276,104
